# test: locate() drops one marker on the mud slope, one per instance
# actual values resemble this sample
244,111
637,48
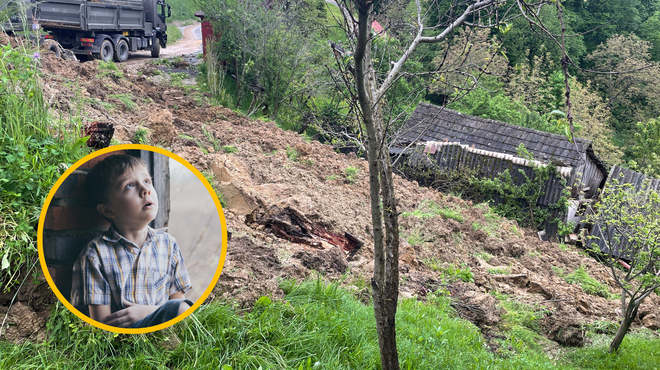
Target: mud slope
261,183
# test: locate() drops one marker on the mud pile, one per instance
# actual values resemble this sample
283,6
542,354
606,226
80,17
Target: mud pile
264,173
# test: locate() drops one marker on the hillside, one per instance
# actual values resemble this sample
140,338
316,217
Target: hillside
485,263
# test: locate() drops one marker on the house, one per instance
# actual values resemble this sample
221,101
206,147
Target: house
439,124
456,140
623,176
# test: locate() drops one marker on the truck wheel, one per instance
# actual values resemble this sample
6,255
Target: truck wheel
155,50
121,51
53,48
107,51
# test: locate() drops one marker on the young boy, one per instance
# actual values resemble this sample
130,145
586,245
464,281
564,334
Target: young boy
132,276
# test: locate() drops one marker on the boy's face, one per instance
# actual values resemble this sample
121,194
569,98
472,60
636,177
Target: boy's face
132,200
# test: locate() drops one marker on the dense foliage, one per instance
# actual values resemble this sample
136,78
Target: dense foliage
34,152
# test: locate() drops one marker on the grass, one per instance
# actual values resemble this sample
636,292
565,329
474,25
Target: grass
31,158
590,285
141,136
428,209
500,270
292,153
109,69
127,99
229,149
174,34
351,174
451,273
318,325
208,175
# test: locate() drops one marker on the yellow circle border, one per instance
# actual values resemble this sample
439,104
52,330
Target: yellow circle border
40,241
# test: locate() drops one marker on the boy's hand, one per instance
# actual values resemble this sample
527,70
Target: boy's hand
130,315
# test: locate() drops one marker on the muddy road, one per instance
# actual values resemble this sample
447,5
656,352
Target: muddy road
189,44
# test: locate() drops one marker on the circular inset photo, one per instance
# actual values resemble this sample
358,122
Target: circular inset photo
132,238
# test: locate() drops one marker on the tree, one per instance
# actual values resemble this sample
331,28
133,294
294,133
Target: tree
646,152
632,97
371,89
628,218
269,49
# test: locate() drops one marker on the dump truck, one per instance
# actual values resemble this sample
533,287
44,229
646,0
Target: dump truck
104,29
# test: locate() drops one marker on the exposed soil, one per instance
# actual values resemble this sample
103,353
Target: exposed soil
259,176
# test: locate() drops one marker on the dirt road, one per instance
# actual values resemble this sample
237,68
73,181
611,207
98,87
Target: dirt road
190,43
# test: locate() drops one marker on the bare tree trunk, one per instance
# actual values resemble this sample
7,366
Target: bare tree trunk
628,318
385,282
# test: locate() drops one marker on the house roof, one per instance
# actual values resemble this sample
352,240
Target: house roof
434,123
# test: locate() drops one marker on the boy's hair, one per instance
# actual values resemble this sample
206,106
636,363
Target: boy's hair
102,175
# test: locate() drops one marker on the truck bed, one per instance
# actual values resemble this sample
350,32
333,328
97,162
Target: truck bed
91,15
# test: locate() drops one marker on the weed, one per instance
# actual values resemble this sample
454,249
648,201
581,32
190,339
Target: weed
292,153
331,177
309,162
211,137
351,174
563,246
126,99
141,136
109,69
590,285
208,175
484,256
229,149
500,270
428,209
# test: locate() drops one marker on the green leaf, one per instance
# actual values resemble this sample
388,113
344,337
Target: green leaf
5,262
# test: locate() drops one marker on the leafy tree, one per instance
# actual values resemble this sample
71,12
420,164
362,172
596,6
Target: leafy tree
646,152
527,45
269,50
592,118
628,218
650,31
633,97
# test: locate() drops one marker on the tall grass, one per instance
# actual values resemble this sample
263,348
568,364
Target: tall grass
34,152
316,326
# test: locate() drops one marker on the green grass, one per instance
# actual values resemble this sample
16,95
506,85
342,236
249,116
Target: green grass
581,277
292,153
109,69
208,175
141,136
127,99
229,149
428,209
31,159
173,34
351,174
452,273
317,326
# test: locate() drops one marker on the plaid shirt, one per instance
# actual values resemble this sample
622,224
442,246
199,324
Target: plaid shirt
111,267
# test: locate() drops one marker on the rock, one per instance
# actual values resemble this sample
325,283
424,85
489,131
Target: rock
161,127
651,321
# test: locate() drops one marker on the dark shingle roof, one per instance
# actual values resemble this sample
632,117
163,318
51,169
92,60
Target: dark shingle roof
433,123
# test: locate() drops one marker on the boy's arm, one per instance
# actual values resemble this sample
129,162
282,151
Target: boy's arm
178,295
99,312
129,315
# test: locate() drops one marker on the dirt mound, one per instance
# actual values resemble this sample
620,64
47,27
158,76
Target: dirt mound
262,166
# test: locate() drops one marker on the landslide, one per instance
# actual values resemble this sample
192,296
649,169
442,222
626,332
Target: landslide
276,170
